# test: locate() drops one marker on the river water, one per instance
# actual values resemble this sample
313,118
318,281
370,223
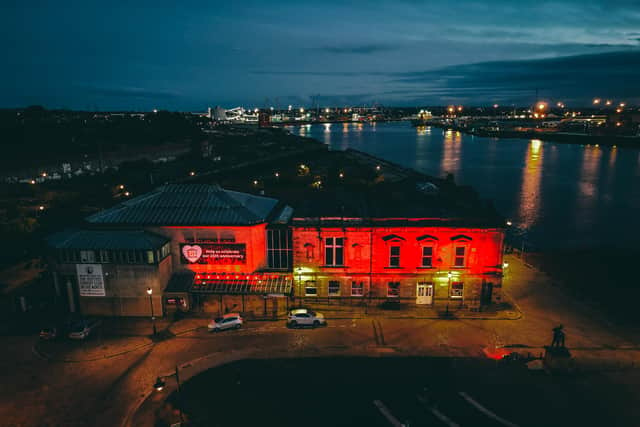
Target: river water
557,195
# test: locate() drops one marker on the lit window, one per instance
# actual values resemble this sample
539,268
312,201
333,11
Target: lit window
149,257
357,289
393,289
334,288
457,289
310,289
394,256
459,259
334,251
427,256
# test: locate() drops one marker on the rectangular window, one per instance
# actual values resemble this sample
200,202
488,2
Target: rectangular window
357,289
150,257
393,289
394,256
279,249
457,289
310,289
427,256
334,288
459,259
334,251
87,256
103,256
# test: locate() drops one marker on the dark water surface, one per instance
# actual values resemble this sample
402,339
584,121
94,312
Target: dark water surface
559,195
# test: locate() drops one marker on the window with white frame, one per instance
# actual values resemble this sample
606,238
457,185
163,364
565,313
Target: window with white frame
394,256
334,288
87,256
334,251
310,288
457,290
103,256
427,256
393,289
279,249
357,289
459,260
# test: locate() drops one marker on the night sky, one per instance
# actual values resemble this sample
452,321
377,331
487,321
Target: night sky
140,55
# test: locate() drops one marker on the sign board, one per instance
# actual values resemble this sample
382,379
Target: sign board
90,280
213,253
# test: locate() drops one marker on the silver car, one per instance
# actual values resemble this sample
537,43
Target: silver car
82,329
304,317
228,321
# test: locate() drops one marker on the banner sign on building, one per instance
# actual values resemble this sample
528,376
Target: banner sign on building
90,280
213,253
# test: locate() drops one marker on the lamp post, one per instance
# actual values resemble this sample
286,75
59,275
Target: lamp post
160,383
448,292
153,317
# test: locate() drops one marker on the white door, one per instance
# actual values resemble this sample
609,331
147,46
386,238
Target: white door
424,293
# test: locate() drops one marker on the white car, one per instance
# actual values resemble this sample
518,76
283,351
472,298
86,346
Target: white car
304,317
83,329
228,321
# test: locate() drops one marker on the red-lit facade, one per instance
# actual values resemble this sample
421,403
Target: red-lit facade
232,251
412,263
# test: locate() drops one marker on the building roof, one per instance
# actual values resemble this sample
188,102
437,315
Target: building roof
190,205
106,240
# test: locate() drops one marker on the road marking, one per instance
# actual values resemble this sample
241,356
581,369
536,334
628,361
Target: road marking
439,415
387,414
485,411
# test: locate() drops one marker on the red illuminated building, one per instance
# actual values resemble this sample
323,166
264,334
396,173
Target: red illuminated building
201,247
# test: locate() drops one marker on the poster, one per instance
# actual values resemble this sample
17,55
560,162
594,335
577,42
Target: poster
213,253
90,280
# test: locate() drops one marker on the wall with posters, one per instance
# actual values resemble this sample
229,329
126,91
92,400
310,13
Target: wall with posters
90,280
122,291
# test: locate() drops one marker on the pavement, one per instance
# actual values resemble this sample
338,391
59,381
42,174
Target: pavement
108,379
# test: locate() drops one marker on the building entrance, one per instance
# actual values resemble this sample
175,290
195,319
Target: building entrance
424,293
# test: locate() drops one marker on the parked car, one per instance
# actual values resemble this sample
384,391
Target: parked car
228,321
55,330
49,333
305,317
82,329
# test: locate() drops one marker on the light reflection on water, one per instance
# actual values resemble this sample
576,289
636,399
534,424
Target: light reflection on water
561,195
531,176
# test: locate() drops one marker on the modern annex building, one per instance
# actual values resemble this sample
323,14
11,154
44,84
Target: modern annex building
201,247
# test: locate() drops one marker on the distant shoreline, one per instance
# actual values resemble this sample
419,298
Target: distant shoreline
558,137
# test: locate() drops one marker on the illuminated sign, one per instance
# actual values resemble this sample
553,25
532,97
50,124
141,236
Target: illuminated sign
90,280
213,253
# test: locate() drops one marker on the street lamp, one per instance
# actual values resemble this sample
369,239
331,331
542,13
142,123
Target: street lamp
153,317
449,275
160,383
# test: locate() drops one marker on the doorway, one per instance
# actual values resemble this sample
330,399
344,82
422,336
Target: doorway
424,293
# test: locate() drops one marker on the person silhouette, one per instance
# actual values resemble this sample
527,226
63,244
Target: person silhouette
558,336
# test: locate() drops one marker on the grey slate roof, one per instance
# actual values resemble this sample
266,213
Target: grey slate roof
189,205
106,240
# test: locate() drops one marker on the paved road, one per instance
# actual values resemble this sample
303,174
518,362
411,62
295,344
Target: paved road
101,392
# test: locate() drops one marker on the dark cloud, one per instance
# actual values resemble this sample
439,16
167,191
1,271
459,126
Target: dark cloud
576,78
